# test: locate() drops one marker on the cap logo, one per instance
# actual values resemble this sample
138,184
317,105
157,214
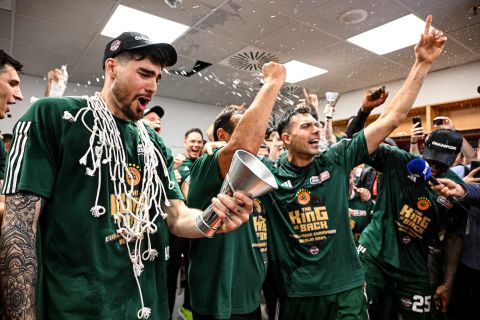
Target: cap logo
142,38
115,44
446,146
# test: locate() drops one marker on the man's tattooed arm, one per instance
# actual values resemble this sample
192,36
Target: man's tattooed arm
18,259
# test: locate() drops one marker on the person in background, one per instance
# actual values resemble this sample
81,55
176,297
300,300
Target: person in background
153,118
52,76
7,140
10,93
179,246
360,207
466,294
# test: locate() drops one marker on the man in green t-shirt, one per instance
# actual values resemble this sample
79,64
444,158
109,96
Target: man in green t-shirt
100,184
179,246
310,243
226,272
409,219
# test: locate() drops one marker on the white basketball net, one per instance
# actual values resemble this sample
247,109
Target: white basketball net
132,215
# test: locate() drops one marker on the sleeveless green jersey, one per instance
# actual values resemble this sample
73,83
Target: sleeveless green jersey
227,271
84,267
408,215
310,245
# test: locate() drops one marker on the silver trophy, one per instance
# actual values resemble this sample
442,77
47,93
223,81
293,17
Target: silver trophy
332,98
247,174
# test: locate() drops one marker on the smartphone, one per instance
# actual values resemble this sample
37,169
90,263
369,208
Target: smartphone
437,122
418,120
473,165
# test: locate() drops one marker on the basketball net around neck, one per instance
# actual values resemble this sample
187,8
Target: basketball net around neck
132,214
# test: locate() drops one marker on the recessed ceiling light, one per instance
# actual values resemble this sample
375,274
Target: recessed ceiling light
353,16
392,36
157,29
298,71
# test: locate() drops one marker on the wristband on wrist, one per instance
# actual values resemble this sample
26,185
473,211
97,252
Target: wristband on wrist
411,142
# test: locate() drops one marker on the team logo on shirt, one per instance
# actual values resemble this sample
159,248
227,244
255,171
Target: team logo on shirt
303,196
423,203
133,175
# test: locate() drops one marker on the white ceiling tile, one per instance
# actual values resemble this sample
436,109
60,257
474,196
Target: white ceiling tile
450,15
243,21
188,13
340,54
206,46
83,16
293,9
49,35
379,12
469,36
295,40
38,61
5,21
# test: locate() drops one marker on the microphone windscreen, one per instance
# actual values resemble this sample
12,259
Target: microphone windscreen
419,167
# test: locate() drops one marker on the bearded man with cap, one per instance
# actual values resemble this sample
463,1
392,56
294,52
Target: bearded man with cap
100,184
408,219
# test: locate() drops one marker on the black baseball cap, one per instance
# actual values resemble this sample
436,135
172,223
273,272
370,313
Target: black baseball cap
133,40
443,146
157,109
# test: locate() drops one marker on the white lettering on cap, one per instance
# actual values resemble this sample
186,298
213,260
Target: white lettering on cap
142,38
446,146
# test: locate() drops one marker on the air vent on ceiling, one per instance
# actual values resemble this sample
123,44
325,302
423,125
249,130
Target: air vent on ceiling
290,90
198,66
249,59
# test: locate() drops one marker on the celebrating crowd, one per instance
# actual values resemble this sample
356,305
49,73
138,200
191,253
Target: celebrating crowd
98,216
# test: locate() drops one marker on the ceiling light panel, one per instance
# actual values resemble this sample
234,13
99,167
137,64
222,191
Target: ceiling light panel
392,36
298,71
157,29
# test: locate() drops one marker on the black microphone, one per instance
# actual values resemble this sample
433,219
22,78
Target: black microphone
420,168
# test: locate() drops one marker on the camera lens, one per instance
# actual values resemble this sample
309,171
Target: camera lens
478,89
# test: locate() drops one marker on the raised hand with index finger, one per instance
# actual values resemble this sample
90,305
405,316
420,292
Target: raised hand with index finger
431,43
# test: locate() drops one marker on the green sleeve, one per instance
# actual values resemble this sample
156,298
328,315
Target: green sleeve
386,157
349,153
205,181
31,162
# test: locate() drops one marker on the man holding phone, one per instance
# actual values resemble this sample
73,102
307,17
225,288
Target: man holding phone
416,134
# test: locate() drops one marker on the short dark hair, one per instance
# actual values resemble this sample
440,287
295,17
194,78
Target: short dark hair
193,130
268,132
285,121
223,120
6,59
157,56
